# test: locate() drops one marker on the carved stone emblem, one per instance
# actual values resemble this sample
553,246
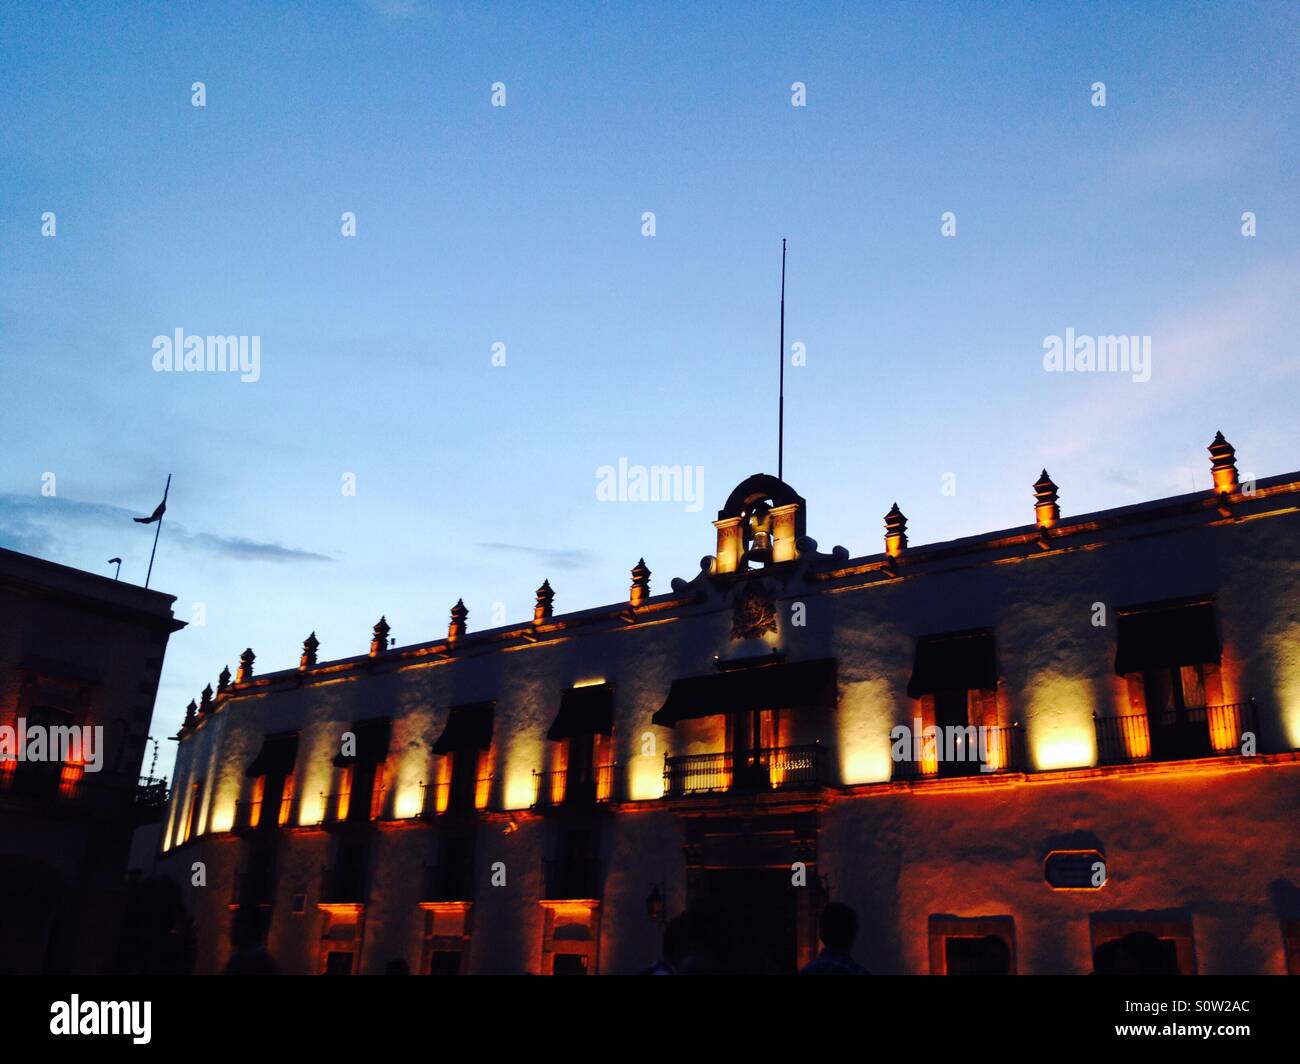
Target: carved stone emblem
754,614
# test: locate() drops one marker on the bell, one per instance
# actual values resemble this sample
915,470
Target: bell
760,550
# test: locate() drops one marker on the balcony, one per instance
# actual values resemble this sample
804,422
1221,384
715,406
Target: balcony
953,752
350,808
555,789
780,768
1174,735
248,817
441,799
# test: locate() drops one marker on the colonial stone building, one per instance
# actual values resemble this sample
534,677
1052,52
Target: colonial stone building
1003,751
77,651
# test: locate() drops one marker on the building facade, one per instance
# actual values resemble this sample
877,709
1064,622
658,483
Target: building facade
80,656
1004,751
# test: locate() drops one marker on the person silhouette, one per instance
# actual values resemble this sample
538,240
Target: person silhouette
838,928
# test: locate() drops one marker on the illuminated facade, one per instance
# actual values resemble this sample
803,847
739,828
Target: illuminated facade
1003,751
77,651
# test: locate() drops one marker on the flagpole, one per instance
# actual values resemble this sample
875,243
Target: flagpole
780,423
157,531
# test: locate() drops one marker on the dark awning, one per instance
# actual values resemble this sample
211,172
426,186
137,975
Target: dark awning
277,756
800,685
1166,636
469,727
957,661
584,711
372,743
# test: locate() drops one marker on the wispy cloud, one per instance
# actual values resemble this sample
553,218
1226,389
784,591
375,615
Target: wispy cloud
558,559
33,524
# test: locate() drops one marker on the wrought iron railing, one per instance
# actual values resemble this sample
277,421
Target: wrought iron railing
771,769
441,798
1174,734
562,787
953,751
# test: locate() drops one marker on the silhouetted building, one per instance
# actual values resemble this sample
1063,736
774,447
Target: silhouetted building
1004,752
77,651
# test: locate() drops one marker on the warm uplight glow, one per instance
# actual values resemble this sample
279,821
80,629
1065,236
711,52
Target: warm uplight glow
223,816
864,719
408,802
519,789
345,794
286,803
1060,725
594,682
646,778
255,809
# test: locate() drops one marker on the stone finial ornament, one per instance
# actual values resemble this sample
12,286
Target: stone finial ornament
379,637
459,615
1047,512
640,584
895,532
245,671
309,647
223,680
1223,465
545,599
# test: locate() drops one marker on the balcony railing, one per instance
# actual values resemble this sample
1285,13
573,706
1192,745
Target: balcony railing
352,807
751,771
565,880
563,788
953,751
440,798
1174,735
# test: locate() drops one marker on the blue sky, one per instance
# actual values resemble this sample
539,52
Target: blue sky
522,225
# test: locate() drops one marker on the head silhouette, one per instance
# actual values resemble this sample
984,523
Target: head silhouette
839,927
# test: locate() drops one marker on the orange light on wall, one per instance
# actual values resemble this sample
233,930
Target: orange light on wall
1137,737
255,806
344,801
286,801
929,750
377,794
69,776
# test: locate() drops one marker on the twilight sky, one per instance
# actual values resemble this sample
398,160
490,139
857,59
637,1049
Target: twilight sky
522,225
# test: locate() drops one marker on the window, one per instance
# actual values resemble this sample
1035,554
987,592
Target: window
1168,654
1122,945
340,938
954,682
445,962
570,932
338,962
981,945
446,938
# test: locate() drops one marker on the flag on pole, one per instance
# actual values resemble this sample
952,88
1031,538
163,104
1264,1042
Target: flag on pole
159,510
157,517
